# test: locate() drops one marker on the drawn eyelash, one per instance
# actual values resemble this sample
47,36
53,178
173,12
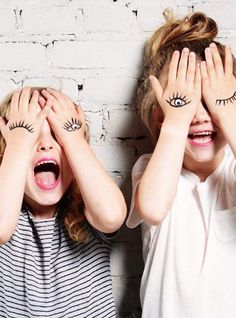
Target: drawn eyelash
22,124
226,100
177,100
72,125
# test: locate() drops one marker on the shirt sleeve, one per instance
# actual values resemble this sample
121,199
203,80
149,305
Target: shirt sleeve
134,219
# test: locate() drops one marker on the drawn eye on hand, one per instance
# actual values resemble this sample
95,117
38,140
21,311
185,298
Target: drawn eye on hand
72,125
177,101
22,124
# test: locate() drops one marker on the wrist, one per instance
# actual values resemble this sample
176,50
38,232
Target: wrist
74,142
177,128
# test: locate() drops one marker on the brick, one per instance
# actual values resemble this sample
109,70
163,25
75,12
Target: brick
22,56
49,20
124,124
7,19
107,19
115,90
95,124
121,267
97,54
6,87
215,10
115,158
155,14
43,82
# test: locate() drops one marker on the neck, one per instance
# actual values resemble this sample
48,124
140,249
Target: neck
41,212
203,169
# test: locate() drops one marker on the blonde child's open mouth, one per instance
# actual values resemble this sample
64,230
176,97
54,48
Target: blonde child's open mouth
47,173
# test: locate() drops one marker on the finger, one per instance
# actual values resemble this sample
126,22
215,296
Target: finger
197,80
182,69
42,101
228,61
217,60
210,65
204,73
60,97
173,68
24,100
156,85
55,103
34,102
45,110
80,112
15,103
191,68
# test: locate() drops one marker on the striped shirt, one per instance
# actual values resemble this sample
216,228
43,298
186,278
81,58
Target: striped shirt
43,273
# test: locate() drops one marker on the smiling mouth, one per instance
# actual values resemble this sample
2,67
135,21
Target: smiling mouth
46,173
203,137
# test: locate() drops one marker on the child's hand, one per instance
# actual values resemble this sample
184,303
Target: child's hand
218,82
181,97
25,119
66,120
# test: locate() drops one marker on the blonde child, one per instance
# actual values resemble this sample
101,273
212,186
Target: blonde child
184,192
58,208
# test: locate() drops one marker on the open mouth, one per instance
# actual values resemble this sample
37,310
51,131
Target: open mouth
202,137
47,174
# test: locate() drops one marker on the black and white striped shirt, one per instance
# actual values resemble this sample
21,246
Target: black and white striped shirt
43,273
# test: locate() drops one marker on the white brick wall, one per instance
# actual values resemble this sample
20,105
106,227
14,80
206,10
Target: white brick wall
92,50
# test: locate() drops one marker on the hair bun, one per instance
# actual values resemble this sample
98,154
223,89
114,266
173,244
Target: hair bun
194,27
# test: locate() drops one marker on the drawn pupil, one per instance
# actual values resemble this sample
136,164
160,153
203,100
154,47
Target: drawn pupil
177,102
75,126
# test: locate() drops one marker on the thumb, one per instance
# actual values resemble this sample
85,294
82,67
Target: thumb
156,85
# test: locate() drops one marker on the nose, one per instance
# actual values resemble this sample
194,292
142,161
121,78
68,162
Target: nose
45,142
201,115
45,147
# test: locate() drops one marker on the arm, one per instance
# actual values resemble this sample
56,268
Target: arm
219,91
17,155
158,185
105,208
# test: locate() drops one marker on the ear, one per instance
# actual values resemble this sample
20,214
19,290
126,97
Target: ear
157,115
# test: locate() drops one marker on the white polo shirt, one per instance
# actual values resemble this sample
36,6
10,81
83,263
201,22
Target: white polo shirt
190,259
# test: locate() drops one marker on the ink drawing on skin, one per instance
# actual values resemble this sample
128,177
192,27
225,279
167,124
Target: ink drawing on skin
72,125
56,200
226,100
184,192
178,101
22,124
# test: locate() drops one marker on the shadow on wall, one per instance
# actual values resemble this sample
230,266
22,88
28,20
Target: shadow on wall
126,258
127,261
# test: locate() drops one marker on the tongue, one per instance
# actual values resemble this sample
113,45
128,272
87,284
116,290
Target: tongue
45,178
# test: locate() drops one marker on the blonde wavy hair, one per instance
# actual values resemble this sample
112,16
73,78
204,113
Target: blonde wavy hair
71,204
195,31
